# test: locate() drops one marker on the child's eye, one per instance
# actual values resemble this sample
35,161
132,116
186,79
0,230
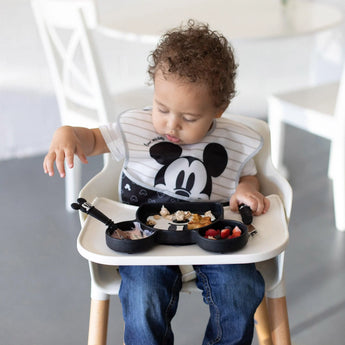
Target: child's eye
189,119
163,111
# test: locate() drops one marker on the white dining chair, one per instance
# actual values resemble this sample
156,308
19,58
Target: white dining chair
271,317
67,31
319,110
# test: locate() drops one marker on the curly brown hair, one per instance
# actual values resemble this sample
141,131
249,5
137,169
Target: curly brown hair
199,55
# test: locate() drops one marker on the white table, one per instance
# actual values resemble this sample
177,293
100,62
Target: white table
236,19
270,241
275,44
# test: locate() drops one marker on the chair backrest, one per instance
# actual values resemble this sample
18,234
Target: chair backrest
105,183
271,180
64,28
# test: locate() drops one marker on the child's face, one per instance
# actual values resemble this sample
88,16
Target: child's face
183,112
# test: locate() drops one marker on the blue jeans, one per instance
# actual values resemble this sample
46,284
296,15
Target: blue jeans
149,298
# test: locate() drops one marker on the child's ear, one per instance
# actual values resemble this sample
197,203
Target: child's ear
219,113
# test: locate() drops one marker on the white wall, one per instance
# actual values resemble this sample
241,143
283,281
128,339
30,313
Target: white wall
28,111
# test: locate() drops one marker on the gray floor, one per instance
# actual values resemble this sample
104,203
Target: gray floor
45,282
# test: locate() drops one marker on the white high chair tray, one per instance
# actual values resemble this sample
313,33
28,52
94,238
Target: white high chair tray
271,240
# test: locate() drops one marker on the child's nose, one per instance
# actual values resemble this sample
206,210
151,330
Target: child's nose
173,122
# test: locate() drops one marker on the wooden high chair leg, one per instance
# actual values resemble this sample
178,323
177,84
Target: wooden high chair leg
279,321
262,324
98,324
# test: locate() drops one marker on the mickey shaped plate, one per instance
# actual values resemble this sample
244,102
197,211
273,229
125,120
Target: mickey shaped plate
168,230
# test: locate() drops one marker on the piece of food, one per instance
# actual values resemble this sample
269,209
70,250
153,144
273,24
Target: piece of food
151,222
198,221
212,232
210,215
164,211
225,233
180,216
194,220
236,232
136,233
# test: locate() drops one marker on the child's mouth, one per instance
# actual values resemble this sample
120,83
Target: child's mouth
172,138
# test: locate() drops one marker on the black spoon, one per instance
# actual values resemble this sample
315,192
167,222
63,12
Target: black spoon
86,207
246,213
247,218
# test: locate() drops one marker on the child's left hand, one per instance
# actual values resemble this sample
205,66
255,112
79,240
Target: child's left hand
247,192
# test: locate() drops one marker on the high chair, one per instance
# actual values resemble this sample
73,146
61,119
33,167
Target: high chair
67,31
271,317
319,110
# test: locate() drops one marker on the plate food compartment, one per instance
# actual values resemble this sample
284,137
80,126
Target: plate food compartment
129,237
223,245
175,229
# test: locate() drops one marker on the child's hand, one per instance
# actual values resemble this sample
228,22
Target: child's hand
247,192
64,145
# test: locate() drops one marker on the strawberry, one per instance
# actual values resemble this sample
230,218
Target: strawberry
211,232
224,233
237,230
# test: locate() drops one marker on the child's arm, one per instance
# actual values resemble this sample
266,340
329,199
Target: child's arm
68,141
247,192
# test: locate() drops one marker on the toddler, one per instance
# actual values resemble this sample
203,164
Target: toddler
181,149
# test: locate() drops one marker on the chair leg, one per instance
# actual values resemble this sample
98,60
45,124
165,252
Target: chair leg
331,161
98,324
339,186
339,201
262,324
279,321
